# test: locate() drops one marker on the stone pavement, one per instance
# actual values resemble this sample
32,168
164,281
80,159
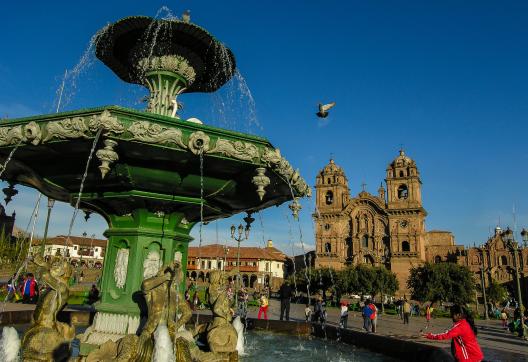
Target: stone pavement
497,344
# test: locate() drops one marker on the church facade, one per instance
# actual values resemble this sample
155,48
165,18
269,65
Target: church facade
383,229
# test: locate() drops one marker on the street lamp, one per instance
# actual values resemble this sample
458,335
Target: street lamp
482,281
242,233
509,241
226,251
51,202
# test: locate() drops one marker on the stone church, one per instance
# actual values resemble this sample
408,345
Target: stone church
384,229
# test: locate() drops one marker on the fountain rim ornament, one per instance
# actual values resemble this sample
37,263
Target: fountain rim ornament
195,50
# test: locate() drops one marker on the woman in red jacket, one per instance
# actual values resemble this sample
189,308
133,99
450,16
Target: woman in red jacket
464,343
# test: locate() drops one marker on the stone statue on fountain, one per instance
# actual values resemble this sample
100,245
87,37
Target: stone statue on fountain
167,314
48,339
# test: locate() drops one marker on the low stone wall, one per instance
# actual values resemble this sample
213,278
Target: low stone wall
397,348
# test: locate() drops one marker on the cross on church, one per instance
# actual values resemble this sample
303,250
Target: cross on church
363,185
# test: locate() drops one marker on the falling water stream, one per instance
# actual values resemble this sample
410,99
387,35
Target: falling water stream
81,187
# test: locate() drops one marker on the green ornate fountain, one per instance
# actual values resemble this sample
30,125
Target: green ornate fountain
153,175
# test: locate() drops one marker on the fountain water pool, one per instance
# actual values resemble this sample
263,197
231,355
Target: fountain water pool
263,346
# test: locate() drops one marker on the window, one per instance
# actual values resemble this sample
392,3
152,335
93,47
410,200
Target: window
504,260
437,259
329,181
401,174
267,266
364,241
406,246
328,247
327,227
329,198
403,192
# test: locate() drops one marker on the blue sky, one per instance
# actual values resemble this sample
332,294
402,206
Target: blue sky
446,79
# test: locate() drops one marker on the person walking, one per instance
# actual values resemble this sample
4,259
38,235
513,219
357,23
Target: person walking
318,310
93,295
373,317
307,312
428,312
343,320
263,307
366,312
285,293
504,318
29,290
463,334
406,307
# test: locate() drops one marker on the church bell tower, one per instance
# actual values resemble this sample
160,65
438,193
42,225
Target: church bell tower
406,216
332,196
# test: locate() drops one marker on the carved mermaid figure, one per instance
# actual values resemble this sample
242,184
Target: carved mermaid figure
47,339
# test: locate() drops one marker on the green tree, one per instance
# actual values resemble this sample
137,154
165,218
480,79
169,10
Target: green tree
446,282
496,293
384,283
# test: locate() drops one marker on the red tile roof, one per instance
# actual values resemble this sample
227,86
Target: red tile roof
246,252
74,240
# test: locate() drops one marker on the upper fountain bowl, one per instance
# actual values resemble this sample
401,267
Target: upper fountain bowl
133,46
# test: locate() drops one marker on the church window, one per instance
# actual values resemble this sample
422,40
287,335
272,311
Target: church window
438,259
401,174
329,197
403,192
328,248
327,227
364,241
504,260
334,179
329,181
406,246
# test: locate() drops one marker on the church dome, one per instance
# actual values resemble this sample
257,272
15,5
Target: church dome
332,168
402,160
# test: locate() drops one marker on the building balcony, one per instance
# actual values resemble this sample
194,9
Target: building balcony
404,254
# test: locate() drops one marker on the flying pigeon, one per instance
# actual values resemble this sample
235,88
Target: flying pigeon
323,109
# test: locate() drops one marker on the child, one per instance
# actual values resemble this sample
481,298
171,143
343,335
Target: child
263,307
307,312
344,315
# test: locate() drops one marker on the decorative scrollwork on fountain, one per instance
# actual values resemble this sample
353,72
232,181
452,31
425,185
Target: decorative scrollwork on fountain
236,149
199,143
108,123
273,159
154,133
12,135
173,63
67,128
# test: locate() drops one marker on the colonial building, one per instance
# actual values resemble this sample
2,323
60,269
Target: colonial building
495,261
383,229
88,252
259,267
